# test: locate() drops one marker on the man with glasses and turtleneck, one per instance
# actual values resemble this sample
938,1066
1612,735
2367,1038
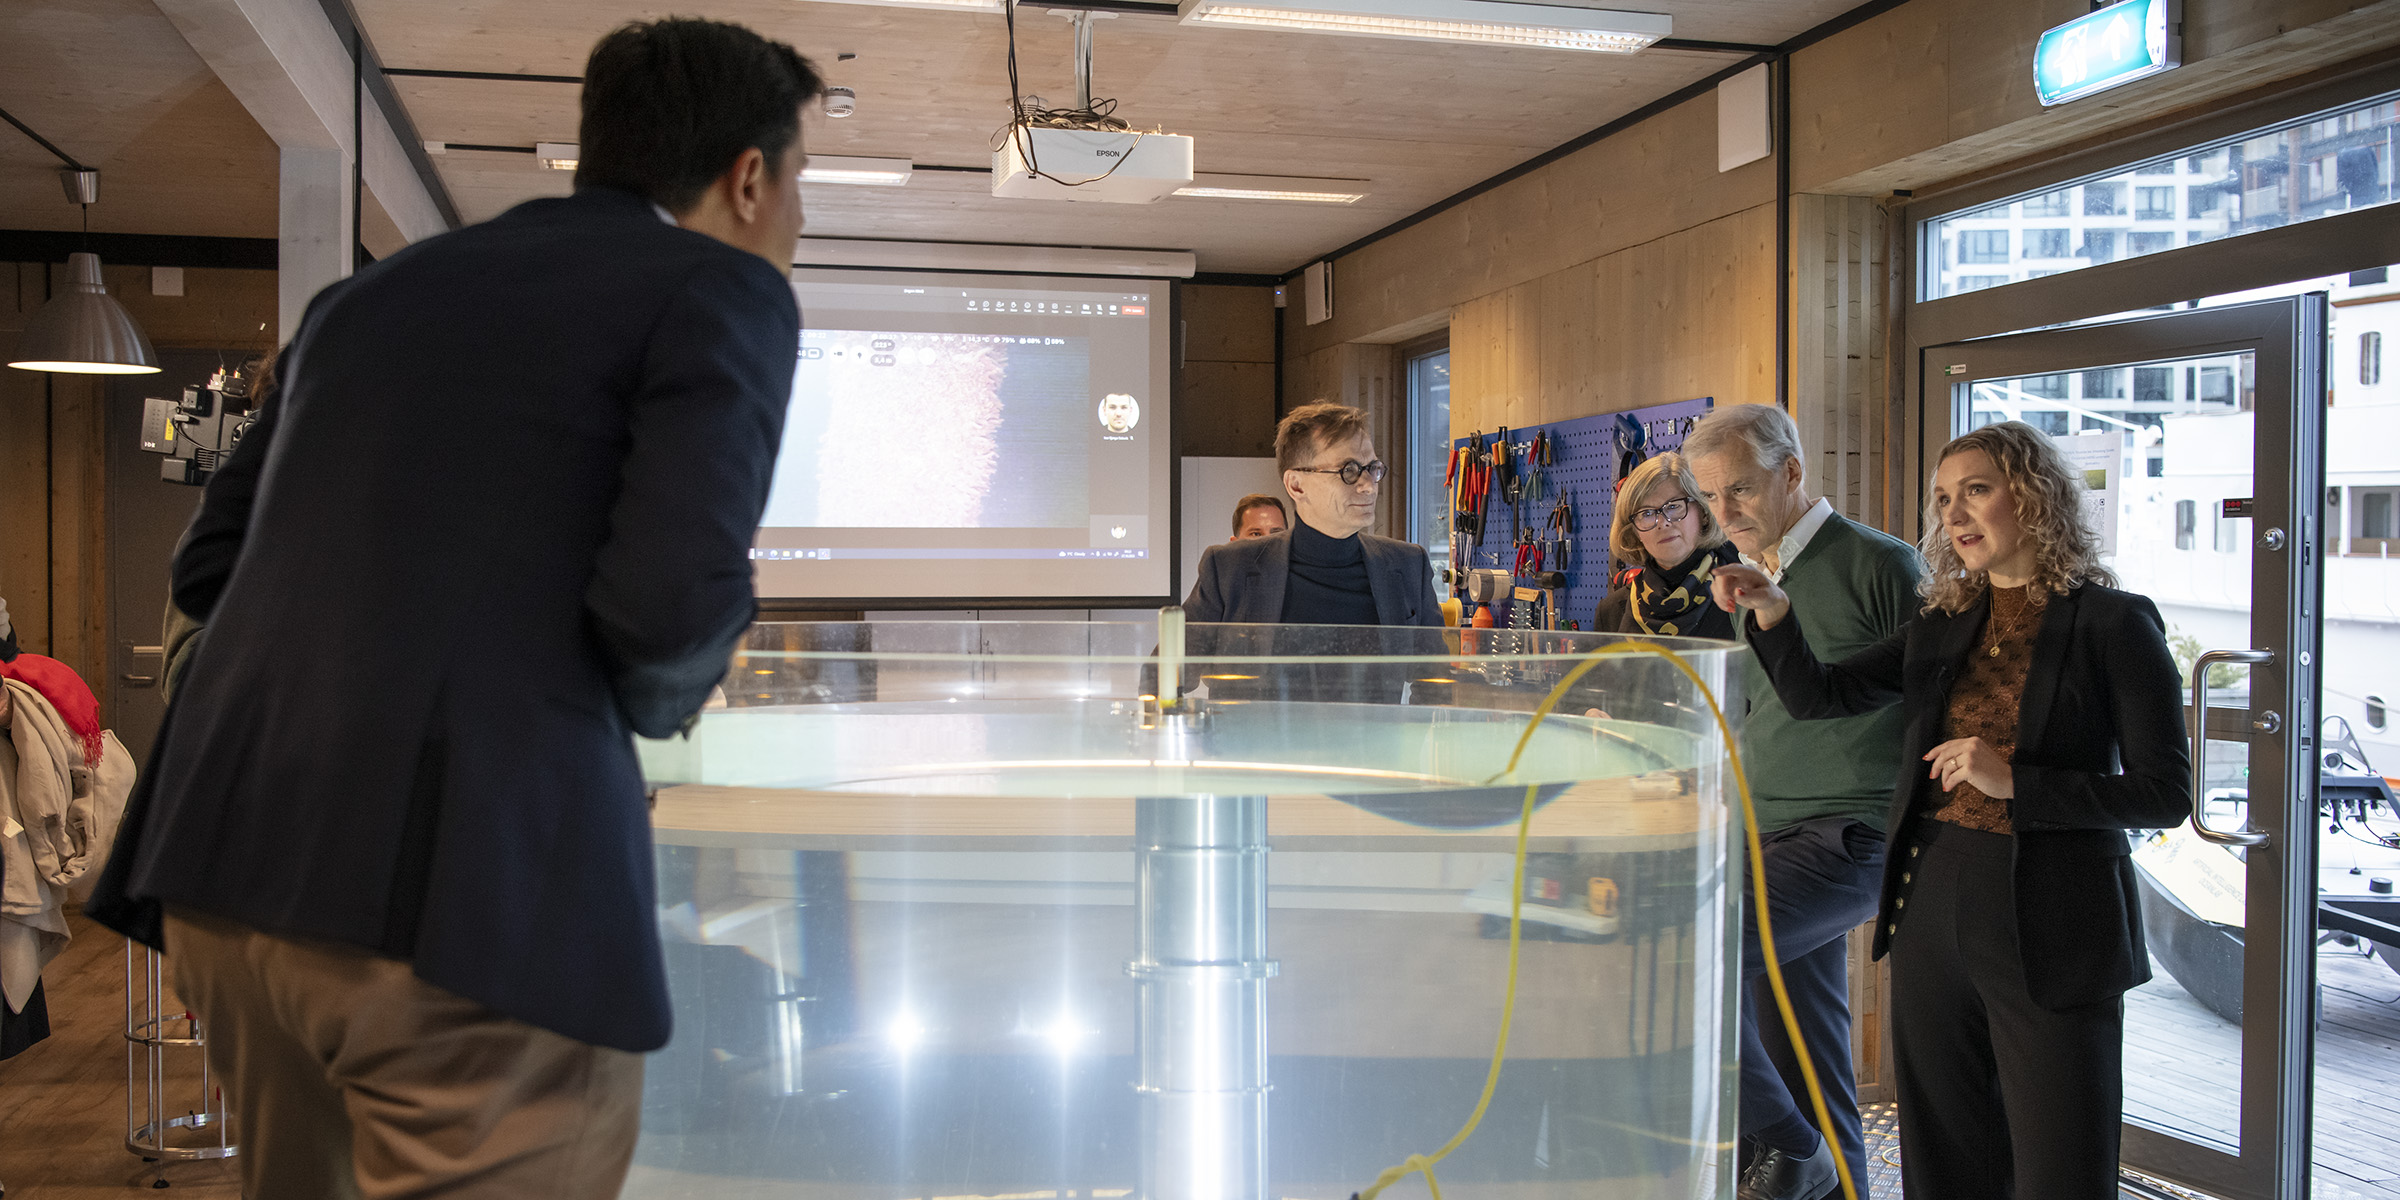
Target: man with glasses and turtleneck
1327,570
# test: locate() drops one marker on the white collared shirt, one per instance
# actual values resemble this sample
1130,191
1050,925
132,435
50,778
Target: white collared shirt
1795,539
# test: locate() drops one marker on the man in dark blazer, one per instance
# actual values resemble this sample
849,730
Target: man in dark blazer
498,517
1326,570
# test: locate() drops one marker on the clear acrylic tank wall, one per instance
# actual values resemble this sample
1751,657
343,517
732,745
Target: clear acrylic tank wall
953,912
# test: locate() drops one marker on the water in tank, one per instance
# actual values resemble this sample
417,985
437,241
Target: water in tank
1029,911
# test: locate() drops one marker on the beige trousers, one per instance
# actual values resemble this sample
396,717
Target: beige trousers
351,1077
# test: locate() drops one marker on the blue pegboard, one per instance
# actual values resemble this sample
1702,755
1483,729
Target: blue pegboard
1585,469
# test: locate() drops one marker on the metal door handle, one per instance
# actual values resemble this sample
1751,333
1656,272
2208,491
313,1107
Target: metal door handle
139,680
2199,731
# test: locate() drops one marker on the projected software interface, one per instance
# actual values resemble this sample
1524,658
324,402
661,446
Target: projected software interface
1008,432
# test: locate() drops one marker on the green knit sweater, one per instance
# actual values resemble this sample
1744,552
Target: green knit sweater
1852,586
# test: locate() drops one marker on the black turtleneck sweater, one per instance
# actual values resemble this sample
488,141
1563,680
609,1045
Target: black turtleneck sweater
1328,583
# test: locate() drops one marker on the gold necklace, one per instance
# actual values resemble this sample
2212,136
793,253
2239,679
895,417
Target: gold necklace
2015,619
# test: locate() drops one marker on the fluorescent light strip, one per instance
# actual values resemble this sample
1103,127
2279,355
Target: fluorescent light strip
1471,21
870,172
557,156
1234,193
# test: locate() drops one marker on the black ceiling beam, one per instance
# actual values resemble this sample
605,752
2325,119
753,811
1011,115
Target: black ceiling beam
27,130
138,249
1856,16
425,73
345,24
1708,47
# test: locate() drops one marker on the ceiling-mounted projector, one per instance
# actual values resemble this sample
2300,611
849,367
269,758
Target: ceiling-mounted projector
1105,166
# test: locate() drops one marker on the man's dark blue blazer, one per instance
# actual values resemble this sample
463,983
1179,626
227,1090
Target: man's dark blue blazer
498,516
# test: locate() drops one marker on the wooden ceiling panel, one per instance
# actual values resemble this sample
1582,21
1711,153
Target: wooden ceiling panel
112,83
1417,120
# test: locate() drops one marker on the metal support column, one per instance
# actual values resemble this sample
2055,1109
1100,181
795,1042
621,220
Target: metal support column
1200,892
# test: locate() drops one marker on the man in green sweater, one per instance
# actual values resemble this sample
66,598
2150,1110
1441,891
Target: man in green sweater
1821,791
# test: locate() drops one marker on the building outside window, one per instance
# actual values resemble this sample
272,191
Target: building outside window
2301,170
1976,283
1983,246
1428,374
2187,523
2154,385
2227,530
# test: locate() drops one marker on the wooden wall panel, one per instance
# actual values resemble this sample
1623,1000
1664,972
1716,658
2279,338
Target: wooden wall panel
24,469
1936,90
1692,314
1228,409
53,451
1653,180
1226,378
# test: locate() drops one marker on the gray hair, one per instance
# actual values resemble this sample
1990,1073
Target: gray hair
1761,430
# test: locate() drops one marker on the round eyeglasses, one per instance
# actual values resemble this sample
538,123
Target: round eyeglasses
1647,519
1350,471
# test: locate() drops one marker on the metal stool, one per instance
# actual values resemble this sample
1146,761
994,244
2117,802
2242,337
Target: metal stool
149,1032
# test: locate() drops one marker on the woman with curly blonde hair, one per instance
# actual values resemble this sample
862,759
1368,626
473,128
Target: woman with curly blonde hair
2048,709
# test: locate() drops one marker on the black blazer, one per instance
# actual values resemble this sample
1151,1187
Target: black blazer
2100,749
498,518
1242,582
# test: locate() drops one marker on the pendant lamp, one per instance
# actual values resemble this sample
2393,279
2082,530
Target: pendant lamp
83,330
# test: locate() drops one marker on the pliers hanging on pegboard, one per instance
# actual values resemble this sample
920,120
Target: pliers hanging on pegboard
1559,530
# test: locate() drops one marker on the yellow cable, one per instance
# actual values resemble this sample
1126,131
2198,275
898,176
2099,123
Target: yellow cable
1766,936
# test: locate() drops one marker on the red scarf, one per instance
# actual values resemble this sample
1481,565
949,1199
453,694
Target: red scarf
67,692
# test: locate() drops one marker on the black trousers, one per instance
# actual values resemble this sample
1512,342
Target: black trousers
2000,1098
1822,880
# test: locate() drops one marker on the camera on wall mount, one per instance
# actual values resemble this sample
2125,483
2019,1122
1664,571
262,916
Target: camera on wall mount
198,431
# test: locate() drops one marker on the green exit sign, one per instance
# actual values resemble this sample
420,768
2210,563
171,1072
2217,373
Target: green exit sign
2115,45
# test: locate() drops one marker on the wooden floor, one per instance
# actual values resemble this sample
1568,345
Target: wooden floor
62,1103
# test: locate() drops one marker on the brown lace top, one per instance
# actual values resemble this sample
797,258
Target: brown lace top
1985,701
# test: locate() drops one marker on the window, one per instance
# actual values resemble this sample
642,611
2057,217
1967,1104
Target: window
2216,385
2052,422
1976,283
1429,449
2154,385
2107,384
1983,246
2046,243
2047,387
2227,530
2375,515
2187,515
2377,713
2263,179
2370,358
2048,204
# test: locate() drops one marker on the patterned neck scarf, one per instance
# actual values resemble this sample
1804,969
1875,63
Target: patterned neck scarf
1671,602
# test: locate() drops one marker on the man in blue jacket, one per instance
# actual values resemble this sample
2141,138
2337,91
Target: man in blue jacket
496,518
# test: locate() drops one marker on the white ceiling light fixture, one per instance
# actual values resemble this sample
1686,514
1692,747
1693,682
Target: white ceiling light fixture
556,156
1478,22
83,330
868,172
952,5
989,256
1296,188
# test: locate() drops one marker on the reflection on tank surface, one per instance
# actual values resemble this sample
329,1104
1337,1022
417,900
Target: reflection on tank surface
950,912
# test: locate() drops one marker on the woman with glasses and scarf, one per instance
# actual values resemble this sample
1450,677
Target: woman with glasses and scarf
1662,528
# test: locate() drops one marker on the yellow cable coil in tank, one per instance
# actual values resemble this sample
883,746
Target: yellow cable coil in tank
1415,1163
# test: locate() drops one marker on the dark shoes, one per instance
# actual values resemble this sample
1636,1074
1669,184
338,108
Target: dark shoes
1776,1175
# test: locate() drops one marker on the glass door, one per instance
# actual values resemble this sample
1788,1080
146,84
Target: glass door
2200,436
